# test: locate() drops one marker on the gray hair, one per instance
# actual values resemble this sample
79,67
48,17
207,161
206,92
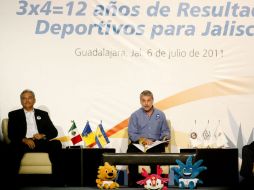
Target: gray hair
146,93
27,91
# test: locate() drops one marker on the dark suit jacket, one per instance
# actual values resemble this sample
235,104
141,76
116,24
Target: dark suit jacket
17,125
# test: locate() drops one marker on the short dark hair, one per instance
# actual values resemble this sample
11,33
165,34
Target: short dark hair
146,93
27,91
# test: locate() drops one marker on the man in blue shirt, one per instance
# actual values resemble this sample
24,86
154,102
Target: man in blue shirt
146,125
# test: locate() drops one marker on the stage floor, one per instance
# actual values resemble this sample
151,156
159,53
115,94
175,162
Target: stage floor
123,188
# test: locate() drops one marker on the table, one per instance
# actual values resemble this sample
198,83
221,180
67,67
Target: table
222,165
145,158
81,165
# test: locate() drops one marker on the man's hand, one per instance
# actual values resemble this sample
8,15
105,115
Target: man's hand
39,136
145,141
29,142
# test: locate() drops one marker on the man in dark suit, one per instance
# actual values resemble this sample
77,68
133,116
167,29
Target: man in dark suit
31,130
247,165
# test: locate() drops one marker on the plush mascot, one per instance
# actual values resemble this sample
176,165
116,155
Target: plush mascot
186,174
153,181
107,175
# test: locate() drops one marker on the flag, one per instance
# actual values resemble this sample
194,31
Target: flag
220,137
74,134
88,135
100,137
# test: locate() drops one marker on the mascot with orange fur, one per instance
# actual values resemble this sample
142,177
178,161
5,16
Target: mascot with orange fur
107,175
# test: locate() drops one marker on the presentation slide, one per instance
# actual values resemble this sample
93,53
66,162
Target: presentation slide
89,60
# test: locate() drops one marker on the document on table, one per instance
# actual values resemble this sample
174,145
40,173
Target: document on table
146,147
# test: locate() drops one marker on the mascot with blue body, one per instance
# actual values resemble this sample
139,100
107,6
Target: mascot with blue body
186,174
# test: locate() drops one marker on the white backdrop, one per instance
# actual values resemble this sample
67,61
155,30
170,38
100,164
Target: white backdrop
194,77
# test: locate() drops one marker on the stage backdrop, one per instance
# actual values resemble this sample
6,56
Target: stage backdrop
89,60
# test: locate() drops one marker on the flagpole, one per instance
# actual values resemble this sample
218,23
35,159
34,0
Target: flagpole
83,139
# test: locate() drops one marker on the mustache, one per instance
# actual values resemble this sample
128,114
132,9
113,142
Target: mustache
149,108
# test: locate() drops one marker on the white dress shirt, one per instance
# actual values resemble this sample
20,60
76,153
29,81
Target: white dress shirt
31,124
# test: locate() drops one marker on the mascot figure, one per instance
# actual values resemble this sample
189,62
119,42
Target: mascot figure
153,181
186,174
107,175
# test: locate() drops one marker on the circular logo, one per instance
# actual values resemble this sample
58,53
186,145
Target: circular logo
193,135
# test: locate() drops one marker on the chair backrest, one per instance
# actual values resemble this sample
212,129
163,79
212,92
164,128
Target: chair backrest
5,131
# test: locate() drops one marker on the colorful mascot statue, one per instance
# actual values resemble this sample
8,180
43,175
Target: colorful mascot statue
107,175
186,174
153,181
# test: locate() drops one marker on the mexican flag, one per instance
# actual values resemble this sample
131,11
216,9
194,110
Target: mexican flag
74,134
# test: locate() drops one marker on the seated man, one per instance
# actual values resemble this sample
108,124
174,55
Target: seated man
247,164
31,130
146,125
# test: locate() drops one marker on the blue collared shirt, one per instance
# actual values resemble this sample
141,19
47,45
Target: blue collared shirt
154,127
